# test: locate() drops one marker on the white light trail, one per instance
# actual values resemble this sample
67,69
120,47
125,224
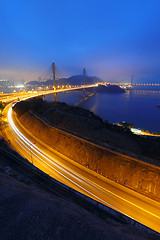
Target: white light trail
26,144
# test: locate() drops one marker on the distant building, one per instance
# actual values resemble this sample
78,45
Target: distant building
4,83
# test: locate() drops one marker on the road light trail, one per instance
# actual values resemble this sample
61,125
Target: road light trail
22,138
111,194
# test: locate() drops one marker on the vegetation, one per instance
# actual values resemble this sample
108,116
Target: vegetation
126,124
88,125
2,106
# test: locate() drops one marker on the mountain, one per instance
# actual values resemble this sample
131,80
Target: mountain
73,80
78,80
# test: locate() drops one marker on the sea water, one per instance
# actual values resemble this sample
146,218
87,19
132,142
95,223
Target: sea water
137,106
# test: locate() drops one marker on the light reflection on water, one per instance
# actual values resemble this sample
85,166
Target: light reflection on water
134,106
146,93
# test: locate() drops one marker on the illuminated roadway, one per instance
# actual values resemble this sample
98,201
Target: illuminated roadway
120,198
10,97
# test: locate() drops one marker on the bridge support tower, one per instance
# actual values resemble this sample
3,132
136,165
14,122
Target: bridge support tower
84,81
54,75
54,80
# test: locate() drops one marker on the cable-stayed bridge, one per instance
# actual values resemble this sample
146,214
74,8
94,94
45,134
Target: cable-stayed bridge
53,88
103,190
146,84
53,79
53,76
131,82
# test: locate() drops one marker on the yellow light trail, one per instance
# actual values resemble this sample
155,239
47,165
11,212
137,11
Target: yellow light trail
120,198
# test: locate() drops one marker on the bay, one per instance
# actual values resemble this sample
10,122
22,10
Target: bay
137,106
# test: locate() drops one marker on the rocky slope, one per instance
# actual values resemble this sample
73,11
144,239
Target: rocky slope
86,124
129,172
28,211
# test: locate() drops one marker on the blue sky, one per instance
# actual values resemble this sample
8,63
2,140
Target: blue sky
113,39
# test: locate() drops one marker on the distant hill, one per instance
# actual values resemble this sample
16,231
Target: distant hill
73,80
109,89
78,80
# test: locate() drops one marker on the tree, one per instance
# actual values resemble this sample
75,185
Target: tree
2,106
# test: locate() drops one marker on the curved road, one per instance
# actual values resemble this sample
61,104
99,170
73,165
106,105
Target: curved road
122,199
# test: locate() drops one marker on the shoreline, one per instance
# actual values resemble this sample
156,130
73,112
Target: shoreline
140,118
112,164
86,124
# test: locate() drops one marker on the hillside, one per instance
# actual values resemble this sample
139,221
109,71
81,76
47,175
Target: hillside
87,125
73,80
30,211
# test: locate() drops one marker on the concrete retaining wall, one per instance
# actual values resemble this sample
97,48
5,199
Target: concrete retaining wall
54,186
139,176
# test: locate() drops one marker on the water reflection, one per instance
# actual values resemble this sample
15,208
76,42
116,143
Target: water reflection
145,93
134,106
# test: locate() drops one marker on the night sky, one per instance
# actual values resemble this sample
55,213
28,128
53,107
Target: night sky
113,39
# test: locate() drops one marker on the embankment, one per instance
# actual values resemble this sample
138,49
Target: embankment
139,176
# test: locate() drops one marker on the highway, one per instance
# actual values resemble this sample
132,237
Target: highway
122,199
10,97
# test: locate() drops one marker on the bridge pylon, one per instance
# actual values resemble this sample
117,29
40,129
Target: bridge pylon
84,81
84,76
132,81
54,75
54,80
